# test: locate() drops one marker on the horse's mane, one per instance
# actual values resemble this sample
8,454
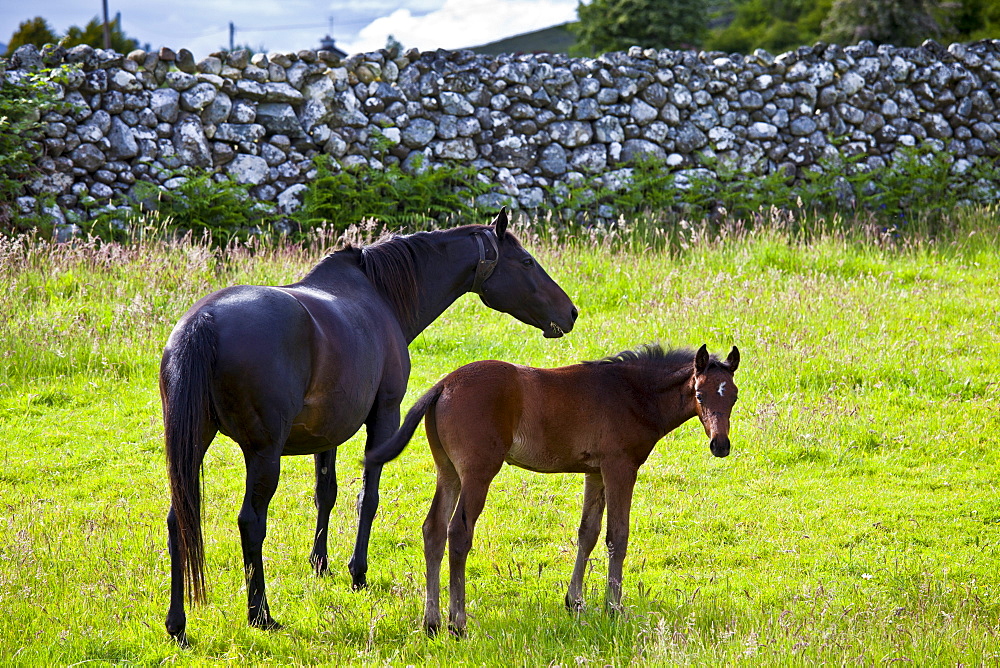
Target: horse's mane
654,353
391,264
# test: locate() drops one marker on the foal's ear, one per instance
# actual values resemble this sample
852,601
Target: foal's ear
733,361
500,224
701,359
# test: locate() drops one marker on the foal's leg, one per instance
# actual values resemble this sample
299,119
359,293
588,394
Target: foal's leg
590,531
619,482
263,468
435,535
460,531
382,423
326,497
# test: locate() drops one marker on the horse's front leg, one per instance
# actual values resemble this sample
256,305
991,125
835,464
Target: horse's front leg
263,469
325,499
381,424
619,482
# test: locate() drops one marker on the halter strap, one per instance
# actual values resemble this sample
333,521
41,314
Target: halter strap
484,268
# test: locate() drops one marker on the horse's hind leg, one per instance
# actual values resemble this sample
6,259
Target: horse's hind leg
460,532
435,535
176,617
589,532
263,468
325,498
382,423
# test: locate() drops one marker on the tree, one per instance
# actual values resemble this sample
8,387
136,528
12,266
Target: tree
773,25
392,43
897,22
34,31
93,34
616,25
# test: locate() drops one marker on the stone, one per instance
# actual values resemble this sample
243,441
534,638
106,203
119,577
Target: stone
122,139
635,149
279,118
419,133
514,152
291,199
198,97
248,169
88,157
190,144
552,160
165,103
571,134
462,148
589,159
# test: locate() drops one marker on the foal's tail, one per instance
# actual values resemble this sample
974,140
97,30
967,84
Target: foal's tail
184,386
390,449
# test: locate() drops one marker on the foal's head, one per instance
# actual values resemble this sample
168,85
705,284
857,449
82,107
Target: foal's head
715,394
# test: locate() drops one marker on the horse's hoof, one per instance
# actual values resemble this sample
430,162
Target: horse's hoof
457,632
432,629
181,639
321,566
574,604
359,584
177,631
265,624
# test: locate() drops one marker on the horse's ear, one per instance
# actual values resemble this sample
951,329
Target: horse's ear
701,359
500,224
733,361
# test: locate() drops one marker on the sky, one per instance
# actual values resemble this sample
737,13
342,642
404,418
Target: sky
202,26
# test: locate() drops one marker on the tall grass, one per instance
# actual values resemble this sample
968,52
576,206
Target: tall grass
857,520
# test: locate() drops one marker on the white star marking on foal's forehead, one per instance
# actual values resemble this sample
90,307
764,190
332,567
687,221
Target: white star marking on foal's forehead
722,389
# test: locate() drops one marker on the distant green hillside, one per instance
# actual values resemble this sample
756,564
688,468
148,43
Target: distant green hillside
556,39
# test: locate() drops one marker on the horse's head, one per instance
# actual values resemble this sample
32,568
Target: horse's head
516,284
715,394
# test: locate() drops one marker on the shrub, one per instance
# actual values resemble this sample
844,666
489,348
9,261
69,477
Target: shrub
417,199
24,99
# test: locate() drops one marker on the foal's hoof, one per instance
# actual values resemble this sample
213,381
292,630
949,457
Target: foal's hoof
456,631
359,583
432,629
574,604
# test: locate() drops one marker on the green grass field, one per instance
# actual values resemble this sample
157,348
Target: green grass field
857,520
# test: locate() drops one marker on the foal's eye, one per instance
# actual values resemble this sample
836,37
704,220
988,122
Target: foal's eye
527,262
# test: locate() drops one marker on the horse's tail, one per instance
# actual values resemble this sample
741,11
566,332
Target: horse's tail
390,449
184,385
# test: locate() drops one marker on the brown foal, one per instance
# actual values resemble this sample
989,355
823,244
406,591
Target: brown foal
598,418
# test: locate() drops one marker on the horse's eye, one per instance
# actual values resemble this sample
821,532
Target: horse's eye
527,262
700,397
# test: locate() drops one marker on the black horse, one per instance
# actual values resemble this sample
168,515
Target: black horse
296,370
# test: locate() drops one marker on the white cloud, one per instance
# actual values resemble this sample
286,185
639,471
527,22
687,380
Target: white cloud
463,23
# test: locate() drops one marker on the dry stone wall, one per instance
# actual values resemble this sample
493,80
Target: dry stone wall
533,124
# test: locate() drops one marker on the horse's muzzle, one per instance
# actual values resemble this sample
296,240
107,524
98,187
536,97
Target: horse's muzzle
555,329
719,446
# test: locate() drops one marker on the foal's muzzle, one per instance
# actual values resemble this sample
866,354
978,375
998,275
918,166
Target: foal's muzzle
719,446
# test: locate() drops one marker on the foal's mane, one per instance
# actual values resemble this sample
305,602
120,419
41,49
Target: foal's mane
653,354
392,265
